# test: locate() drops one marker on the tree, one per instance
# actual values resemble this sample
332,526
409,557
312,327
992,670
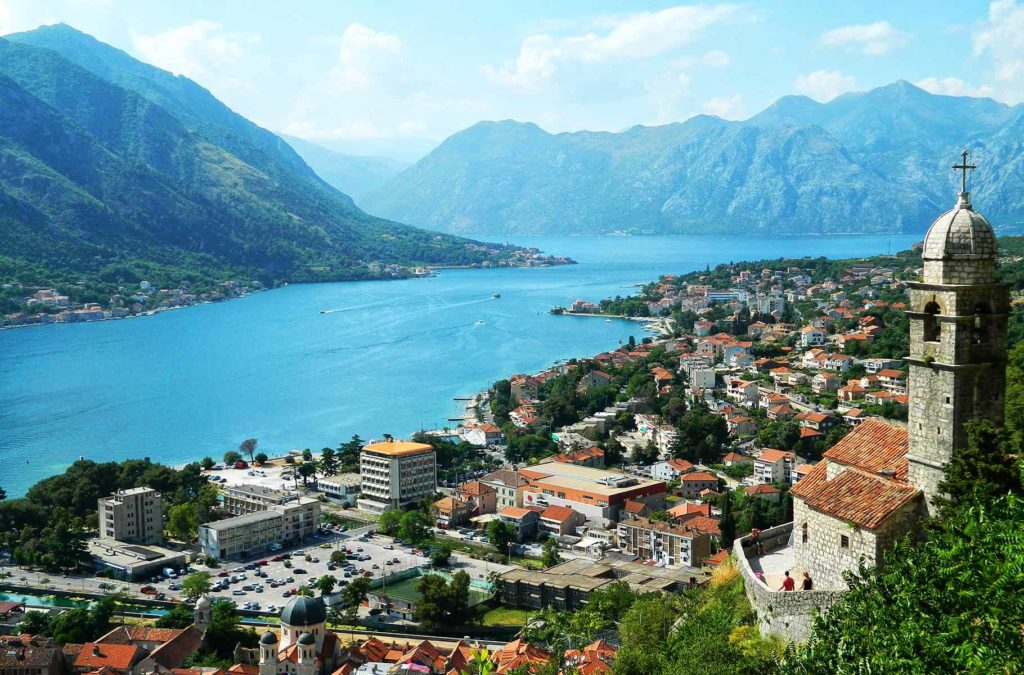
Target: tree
34,623
727,523
338,557
325,584
414,527
441,555
305,591
307,455
225,631
354,594
501,535
442,603
196,585
261,458
644,455
232,457
550,556
79,625
643,631
389,522
328,462
983,470
248,447
306,470
181,522
207,463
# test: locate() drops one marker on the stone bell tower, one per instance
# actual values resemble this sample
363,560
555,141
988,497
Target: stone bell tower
958,350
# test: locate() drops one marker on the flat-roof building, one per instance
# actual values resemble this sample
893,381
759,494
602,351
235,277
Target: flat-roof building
598,494
396,474
342,488
258,531
134,516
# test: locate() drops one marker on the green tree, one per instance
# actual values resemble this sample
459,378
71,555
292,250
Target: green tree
224,631
232,457
179,616
727,523
338,557
328,462
306,470
501,535
983,470
354,594
181,522
196,585
34,623
550,556
307,455
414,528
441,555
643,631
305,591
389,522
79,625
261,458
325,584
207,463
644,455
443,603
248,447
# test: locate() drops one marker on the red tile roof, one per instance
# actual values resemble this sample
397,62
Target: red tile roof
736,457
763,489
855,496
873,446
698,476
680,465
558,513
718,558
119,657
807,432
773,455
514,511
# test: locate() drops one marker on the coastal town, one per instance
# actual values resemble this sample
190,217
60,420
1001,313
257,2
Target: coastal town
761,435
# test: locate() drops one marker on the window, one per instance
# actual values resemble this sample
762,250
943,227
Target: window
803,533
844,541
932,327
981,325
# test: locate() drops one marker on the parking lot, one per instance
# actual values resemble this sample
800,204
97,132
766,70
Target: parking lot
265,584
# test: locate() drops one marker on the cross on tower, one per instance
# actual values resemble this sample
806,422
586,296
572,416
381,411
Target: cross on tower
964,167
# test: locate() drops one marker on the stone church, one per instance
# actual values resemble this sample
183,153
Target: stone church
873,486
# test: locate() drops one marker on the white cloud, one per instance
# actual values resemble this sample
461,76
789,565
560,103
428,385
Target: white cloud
1000,37
715,59
199,50
366,59
953,86
873,39
636,36
730,108
824,85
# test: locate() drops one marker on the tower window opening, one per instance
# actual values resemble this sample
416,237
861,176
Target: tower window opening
932,327
980,326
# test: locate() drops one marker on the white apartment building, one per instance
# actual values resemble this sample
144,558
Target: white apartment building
261,530
135,516
396,474
343,488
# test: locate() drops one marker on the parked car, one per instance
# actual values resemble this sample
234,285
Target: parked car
238,591
148,590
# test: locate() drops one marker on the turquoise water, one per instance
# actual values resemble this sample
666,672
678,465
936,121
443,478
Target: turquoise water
388,358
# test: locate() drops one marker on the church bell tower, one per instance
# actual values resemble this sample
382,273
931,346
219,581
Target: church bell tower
958,349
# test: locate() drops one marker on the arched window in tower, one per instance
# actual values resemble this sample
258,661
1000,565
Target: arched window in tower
932,327
982,324
803,533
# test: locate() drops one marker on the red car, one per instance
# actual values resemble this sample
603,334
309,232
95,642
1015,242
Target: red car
263,563
277,558
222,574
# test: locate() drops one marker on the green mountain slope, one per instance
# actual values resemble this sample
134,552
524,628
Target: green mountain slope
869,162
127,165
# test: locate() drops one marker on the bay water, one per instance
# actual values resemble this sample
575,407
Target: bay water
307,366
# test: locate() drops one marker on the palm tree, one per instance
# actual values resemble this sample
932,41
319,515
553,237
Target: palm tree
248,446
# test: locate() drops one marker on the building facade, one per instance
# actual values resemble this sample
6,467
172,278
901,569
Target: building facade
133,516
663,543
396,474
258,531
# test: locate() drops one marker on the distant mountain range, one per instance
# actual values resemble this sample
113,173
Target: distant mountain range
107,163
865,162
354,175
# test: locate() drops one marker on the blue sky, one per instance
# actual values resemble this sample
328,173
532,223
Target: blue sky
397,77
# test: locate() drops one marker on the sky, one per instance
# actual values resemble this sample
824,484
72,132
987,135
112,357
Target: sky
396,78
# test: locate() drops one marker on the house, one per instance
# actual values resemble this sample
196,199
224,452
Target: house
668,544
671,469
851,392
481,497
742,392
733,458
825,383
811,337
560,520
781,412
702,327
854,416
893,381
741,425
765,491
116,659
692,484
166,649
580,306
594,379
592,457
482,435
30,655
773,466
634,509
524,388
525,520
837,362
508,487
816,420
451,512
874,365
682,511
801,470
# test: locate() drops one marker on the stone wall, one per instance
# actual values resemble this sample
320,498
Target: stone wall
789,615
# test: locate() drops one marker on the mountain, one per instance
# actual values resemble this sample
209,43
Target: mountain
354,175
107,163
876,161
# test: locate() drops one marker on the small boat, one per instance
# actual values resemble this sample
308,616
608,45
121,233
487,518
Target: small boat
480,322
496,296
607,320
323,311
